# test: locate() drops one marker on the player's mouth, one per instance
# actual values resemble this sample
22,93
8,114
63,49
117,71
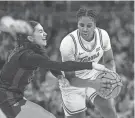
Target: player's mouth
44,38
85,34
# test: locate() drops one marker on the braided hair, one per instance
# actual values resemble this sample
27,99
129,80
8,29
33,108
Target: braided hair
84,11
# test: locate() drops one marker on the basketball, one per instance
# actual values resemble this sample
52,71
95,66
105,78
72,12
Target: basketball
116,84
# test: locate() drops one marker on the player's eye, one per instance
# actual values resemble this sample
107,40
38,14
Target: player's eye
41,31
89,26
82,25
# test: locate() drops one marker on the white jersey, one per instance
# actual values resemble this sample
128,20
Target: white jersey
74,48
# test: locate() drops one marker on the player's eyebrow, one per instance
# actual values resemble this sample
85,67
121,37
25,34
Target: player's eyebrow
89,23
40,30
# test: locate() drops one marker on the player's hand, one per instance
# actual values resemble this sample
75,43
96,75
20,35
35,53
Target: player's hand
103,88
99,83
100,67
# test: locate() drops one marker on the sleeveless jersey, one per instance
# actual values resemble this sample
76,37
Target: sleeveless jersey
80,53
83,54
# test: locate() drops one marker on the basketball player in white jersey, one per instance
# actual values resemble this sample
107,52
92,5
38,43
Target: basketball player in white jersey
86,44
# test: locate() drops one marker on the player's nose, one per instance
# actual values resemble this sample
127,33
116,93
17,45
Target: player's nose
45,34
85,29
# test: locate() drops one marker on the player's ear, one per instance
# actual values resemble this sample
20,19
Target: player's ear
30,38
94,25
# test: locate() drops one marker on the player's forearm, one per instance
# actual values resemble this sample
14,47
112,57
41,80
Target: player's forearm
68,65
64,66
81,83
36,60
110,64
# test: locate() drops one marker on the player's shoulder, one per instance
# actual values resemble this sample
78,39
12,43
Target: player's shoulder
17,52
103,31
68,39
23,50
73,33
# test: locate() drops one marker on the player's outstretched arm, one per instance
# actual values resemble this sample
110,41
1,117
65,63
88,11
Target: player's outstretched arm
31,60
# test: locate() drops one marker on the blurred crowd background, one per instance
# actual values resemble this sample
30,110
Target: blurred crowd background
58,19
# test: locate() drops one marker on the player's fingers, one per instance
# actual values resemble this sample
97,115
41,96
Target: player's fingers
107,81
107,70
103,93
102,75
106,86
120,83
114,86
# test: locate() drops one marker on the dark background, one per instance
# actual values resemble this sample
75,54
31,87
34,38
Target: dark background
58,19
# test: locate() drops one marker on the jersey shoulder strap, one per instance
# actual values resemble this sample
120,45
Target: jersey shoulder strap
100,37
75,44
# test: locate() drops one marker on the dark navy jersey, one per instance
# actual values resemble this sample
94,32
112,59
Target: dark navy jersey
19,68
13,75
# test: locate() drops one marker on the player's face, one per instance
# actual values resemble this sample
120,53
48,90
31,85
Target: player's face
39,35
86,26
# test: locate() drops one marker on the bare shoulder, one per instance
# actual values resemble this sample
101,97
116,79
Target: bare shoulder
105,40
67,41
104,32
